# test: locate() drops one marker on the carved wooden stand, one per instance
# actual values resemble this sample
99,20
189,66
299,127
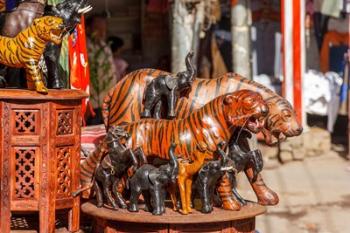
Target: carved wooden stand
122,221
39,155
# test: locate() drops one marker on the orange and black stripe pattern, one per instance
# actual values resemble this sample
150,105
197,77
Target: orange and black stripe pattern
26,49
202,130
123,104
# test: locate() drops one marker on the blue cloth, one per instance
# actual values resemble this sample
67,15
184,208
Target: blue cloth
337,64
10,4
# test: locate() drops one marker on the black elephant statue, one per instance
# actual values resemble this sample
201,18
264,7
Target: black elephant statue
168,89
14,21
70,12
152,183
208,176
242,160
113,167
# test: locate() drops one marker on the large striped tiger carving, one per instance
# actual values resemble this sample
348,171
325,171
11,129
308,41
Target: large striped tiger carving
198,135
203,129
124,102
124,105
26,49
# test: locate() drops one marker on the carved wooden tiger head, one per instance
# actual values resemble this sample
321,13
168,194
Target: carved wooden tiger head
281,122
50,28
246,109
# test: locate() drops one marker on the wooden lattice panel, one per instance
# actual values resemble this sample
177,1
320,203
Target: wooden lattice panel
65,122
25,122
25,160
64,178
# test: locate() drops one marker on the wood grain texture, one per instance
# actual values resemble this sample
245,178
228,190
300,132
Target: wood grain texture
223,221
171,217
40,152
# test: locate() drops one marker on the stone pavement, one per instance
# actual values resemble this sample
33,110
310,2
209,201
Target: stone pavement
314,196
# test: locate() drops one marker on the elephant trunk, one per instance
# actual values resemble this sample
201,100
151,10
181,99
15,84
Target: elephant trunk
134,160
174,163
191,69
222,153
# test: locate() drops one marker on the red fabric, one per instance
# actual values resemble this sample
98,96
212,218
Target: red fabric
78,61
157,6
91,136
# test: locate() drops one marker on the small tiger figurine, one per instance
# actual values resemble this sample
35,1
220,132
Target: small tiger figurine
198,135
26,49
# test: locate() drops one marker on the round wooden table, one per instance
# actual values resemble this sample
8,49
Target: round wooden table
112,221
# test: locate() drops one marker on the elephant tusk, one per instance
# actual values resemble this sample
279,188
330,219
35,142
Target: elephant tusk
85,9
227,168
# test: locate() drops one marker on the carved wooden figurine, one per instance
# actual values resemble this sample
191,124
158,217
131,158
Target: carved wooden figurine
242,160
23,16
25,50
152,183
208,176
113,167
166,88
197,136
119,106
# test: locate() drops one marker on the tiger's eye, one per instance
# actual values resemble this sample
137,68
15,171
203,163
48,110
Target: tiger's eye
286,115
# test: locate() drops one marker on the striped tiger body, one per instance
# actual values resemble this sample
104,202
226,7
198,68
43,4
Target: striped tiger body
202,130
25,50
123,104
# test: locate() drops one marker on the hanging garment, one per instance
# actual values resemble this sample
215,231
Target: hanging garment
321,95
331,38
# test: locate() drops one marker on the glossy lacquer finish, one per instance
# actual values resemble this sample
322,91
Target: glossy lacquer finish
124,104
26,49
198,135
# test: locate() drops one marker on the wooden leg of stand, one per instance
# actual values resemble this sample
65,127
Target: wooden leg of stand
74,216
47,219
5,221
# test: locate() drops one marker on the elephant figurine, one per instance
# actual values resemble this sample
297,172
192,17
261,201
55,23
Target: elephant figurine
70,12
168,88
208,176
152,182
113,167
241,160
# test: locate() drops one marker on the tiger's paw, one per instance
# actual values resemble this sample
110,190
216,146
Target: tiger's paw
40,88
231,204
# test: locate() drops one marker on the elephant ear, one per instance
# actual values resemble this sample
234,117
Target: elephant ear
171,82
153,176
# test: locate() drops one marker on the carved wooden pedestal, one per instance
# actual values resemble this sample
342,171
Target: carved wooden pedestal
40,153
122,221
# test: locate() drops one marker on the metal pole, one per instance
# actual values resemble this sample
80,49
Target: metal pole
241,42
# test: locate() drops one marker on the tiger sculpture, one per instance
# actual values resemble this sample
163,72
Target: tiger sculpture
198,135
25,50
123,104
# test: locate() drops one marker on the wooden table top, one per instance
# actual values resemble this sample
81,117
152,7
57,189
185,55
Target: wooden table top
24,94
171,217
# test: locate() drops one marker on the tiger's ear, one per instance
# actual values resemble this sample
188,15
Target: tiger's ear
229,99
36,21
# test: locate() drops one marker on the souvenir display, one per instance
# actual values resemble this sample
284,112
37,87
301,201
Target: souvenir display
281,121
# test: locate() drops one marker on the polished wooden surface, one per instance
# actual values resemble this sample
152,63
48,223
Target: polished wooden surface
53,94
39,155
112,221
218,215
